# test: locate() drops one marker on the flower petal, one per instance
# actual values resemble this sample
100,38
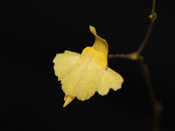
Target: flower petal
83,81
109,80
64,62
80,82
100,44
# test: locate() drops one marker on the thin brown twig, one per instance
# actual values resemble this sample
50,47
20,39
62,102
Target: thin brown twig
153,17
135,55
157,106
117,56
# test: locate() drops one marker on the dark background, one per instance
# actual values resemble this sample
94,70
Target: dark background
33,32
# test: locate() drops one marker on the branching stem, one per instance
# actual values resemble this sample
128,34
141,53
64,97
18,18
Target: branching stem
136,56
157,106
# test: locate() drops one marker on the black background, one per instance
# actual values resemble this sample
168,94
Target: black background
33,32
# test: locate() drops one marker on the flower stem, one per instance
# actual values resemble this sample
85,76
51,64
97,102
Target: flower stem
157,106
136,56
153,17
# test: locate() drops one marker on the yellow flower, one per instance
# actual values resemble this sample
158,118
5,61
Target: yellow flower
82,75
